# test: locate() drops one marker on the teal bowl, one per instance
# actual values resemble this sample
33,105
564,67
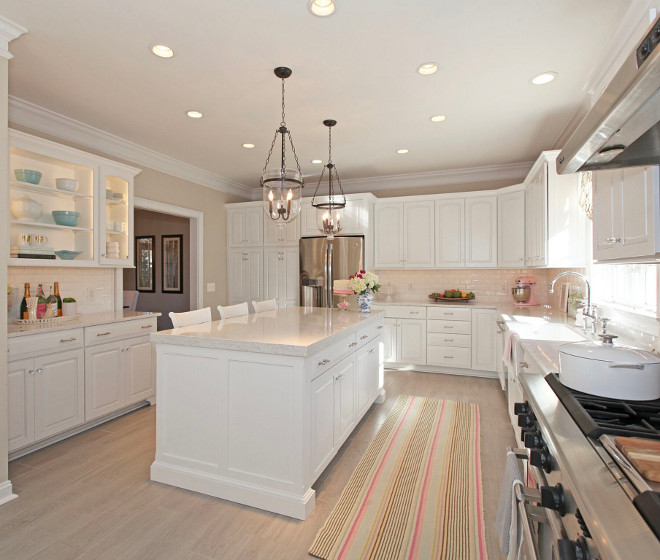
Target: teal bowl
28,176
66,217
67,255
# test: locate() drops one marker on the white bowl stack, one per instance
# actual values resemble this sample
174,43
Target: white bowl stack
112,249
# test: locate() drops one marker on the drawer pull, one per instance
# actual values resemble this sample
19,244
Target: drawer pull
146,326
414,312
363,337
448,327
449,340
339,377
103,333
523,364
448,357
379,327
352,344
447,313
68,339
372,351
322,363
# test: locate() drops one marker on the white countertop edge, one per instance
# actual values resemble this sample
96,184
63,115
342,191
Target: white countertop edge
85,320
282,349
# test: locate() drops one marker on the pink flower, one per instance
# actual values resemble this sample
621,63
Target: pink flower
350,277
359,275
362,272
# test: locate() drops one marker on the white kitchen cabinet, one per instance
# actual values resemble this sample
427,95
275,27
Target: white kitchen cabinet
356,217
245,275
466,232
484,339
46,396
245,225
344,399
389,340
277,234
626,213
511,228
450,233
139,373
281,275
116,215
556,229
366,376
388,219
411,341
322,399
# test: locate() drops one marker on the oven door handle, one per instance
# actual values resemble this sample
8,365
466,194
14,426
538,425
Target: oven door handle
529,539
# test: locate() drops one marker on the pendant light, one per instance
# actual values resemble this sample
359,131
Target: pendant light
281,186
329,213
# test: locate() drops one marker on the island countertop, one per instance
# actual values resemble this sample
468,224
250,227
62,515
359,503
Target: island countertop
290,331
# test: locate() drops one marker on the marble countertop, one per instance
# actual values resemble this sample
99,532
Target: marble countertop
85,320
291,331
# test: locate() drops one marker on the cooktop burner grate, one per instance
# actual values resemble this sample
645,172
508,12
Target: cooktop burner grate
596,416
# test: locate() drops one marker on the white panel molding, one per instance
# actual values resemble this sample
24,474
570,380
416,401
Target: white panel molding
24,113
514,172
8,32
6,493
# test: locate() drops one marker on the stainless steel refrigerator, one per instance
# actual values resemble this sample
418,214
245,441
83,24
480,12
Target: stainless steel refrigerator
322,261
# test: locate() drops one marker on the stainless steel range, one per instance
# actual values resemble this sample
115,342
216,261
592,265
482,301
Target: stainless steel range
590,503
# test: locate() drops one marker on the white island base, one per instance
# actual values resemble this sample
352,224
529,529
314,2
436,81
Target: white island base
252,409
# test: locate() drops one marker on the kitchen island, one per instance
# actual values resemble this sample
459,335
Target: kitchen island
252,409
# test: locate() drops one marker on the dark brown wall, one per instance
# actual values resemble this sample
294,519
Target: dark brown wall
157,224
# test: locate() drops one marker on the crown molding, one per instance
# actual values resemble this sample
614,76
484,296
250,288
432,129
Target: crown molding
34,117
514,172
8,32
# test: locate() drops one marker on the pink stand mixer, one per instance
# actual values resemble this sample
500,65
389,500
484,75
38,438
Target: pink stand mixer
523,293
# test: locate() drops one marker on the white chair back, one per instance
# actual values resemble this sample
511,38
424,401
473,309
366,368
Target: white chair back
229,311
191,317
265,305
130,299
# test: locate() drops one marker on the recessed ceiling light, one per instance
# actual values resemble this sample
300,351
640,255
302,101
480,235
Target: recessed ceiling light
317,161
322,8
438,118
404,151
162,50
194,114
544,78
427,68
249,146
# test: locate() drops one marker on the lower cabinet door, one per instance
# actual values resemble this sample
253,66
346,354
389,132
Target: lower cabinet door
389,340
20,402
484,342
59,385
104,379
366,374
140,376
344,399
322,394
411,347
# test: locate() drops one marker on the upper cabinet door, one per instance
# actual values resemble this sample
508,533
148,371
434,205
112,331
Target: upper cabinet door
236,227
418,234
450,233
245,226
116,217
511,229
481,231
606,218
389,235
638,211
276,234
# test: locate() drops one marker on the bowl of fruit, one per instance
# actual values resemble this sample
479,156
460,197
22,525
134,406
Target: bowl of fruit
452,296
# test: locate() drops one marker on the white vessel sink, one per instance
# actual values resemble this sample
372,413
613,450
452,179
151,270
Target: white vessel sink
546,331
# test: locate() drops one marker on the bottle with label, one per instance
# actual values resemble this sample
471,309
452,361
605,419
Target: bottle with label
41,303
24,307
51,305
59,299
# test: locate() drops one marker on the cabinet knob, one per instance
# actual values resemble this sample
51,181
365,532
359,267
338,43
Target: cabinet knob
372,351
379,327
523,364
352,344
38,370
363,337
323,362
31,371
339,378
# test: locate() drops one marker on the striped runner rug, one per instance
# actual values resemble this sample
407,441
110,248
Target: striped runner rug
416,493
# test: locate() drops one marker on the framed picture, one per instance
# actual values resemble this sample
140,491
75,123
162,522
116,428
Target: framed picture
144,263
172,266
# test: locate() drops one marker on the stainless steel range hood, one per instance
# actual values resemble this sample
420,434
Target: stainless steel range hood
623,128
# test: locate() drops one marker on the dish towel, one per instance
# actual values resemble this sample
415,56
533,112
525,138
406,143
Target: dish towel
506,523
507,356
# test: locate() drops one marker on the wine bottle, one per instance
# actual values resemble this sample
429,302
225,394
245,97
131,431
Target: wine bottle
41,303
24,307
51,305
59,299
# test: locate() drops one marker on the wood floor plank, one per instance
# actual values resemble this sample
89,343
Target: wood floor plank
90,497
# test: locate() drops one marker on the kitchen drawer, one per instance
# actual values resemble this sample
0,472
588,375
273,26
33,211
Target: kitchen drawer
442,326
404,311
98,334
332,355
366,334
44,343
449,339
449,313
449,356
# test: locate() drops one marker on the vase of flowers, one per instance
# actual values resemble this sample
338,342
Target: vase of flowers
364,284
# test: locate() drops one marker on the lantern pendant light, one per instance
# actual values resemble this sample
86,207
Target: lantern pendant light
329,214
281,186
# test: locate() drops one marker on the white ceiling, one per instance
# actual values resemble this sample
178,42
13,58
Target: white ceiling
91,61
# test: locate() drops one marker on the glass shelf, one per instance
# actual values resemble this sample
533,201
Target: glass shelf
51,226
50,191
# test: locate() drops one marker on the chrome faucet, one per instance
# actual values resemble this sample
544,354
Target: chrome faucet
588,311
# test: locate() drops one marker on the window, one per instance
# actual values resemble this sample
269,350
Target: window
632,286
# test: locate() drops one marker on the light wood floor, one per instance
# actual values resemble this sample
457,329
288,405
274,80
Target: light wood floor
90,497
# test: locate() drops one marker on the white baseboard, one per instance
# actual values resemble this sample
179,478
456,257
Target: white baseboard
443,369
6,492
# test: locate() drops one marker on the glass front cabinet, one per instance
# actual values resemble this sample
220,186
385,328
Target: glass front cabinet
68,207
